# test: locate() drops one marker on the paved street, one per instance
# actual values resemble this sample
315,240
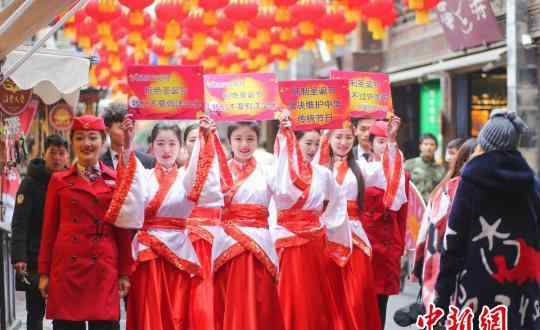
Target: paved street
395,302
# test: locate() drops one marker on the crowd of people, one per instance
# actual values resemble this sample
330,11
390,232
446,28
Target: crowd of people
194,236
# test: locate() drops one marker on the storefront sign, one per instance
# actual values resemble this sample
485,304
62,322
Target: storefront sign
13,100
237,97
316,104
468,23
430,111
61,117
370,93
165,92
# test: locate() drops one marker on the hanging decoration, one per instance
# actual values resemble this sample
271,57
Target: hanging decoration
223,36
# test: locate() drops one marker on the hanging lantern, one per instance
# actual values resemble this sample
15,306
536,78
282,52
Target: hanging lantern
210,8
379,14
283,7
241,12
306,12
330,23
70,27
103,12
136,10
195,27
163,54
169,15
353,9
421,8
264,21
86,34
137,33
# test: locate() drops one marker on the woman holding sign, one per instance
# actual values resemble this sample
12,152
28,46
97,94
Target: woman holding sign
157,202
301,192
354,289
202,225
244,258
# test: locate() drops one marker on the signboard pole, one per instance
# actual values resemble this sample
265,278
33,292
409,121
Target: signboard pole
522,80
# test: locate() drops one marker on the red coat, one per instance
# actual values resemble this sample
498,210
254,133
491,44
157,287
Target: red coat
386,233
82,255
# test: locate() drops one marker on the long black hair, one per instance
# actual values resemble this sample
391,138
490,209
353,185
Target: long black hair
188,129
353,165
163,126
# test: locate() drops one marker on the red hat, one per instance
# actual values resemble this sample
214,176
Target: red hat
88,123
379,128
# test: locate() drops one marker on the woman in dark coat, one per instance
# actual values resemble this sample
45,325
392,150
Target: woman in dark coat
83,261
492,254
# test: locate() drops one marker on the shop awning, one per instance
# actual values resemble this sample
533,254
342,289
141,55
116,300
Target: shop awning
52,74
449,65
33,16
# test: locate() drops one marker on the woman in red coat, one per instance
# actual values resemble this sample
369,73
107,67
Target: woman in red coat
83,261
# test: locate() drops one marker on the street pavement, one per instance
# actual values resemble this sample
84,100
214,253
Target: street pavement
395,302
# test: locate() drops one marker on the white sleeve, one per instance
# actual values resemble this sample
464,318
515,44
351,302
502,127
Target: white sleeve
131,195
374,176
202,180
285,192
336,222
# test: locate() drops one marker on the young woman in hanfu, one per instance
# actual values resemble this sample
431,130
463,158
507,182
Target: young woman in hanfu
302,190
158,202
202,225
354,288
245,262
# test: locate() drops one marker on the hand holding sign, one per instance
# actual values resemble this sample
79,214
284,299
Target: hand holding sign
128,126
393,128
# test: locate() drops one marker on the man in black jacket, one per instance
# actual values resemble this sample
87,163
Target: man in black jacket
28,220
113,117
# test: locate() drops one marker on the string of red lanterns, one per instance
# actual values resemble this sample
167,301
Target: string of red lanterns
224,36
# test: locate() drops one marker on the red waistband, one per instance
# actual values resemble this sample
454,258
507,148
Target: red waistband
164,223
247,215
299,220
353,210
205,216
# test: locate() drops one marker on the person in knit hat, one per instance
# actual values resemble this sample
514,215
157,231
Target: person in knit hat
492,243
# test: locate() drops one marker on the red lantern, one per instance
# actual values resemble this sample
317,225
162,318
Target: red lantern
380,14
103,12
332,23
210,8
169,15
264,21
282,13
422,8
86,33
241,12
306,12
136,12
170,10
195,26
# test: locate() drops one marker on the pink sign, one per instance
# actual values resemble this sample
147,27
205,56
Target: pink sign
165,91
316,104
238,97
370,93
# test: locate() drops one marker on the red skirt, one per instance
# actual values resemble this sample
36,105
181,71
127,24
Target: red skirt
353,290
159,297
304,291
245,296
202,291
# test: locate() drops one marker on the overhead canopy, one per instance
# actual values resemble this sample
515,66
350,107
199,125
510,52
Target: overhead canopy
448,65
38,15
52,74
